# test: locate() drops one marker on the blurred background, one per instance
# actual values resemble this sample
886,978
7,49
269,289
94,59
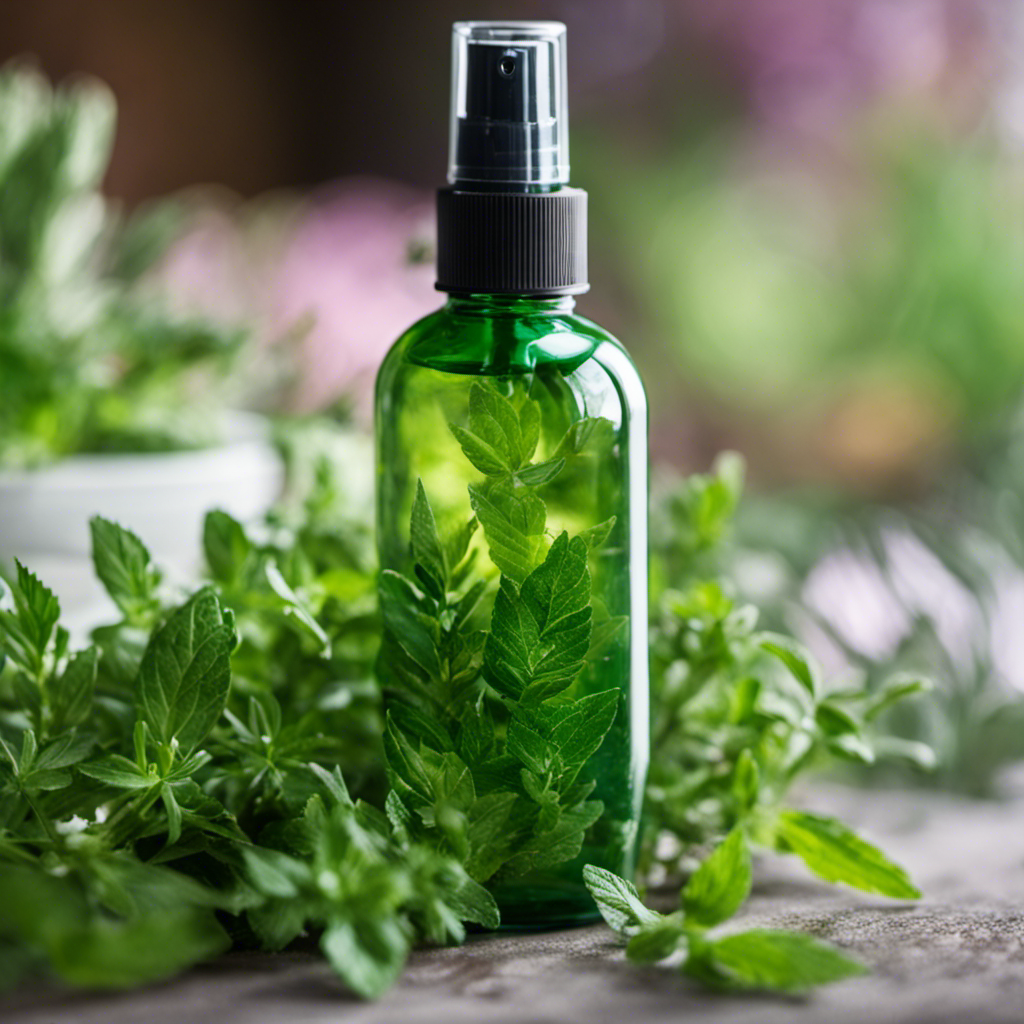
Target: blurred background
807,225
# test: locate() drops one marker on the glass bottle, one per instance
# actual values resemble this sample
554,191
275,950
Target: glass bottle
512,530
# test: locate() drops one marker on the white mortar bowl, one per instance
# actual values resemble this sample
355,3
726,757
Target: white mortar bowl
163,497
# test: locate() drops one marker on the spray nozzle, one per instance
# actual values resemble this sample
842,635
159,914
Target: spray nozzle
510,123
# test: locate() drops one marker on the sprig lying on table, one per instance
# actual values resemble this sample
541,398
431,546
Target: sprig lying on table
758,958
179,786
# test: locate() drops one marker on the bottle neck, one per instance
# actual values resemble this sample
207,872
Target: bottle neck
482,304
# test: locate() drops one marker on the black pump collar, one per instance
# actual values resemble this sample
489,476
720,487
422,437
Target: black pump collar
520,243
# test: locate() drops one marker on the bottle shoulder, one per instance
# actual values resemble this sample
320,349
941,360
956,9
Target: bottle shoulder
475,344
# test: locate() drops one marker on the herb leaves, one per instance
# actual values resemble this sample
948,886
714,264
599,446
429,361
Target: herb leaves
482,745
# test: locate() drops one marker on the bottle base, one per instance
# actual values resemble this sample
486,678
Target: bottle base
544,907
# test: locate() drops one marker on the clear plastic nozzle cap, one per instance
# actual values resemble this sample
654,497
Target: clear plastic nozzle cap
510,117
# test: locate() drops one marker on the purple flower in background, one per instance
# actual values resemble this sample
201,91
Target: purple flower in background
357,264
808,64
346,272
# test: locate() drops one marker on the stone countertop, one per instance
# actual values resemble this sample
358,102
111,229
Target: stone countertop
956,956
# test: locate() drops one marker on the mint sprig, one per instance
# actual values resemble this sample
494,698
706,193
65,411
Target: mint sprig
756,959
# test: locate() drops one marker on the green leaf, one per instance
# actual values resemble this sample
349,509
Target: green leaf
426,542
117,771
528,746
64,751
494,418
920,755
412,629
147,949
595,536
795,657
274,873
123,565
540,473
514,527
186,672
718,888
487,834
540,636
894,690
654,942
173,814
746,782
27,630
619,902
782,961
225,545
71,693
472,902
529,427
296,609
561,842
577,436
836,854
405,764
367,954
485,458
578,729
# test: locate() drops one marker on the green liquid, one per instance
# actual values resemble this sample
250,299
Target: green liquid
537,350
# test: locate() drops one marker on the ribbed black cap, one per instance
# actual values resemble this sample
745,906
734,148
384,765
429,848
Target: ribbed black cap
521,243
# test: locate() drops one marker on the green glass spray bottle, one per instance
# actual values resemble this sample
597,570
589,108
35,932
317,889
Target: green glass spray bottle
512,515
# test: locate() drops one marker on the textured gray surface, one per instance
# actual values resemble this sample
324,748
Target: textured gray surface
956,956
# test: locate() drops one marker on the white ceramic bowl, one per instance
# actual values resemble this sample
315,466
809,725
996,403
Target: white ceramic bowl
163,497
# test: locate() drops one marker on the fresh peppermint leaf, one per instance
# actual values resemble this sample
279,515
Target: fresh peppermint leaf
414,630
427,549
554,845
746,782
836,854
514,527
226,546
470,901
619,902
123,565
334,783
488,835
27,630
406,768
719,887
567,734
529,746
494,418
595,536
485,458
780,961
274,873
795,657
173,810
851,746
117,771
71,693
540,473
540,636
920,755
577,437
297,610
66,750
657,941
578,729
186,673
368,954
894,690
125,954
